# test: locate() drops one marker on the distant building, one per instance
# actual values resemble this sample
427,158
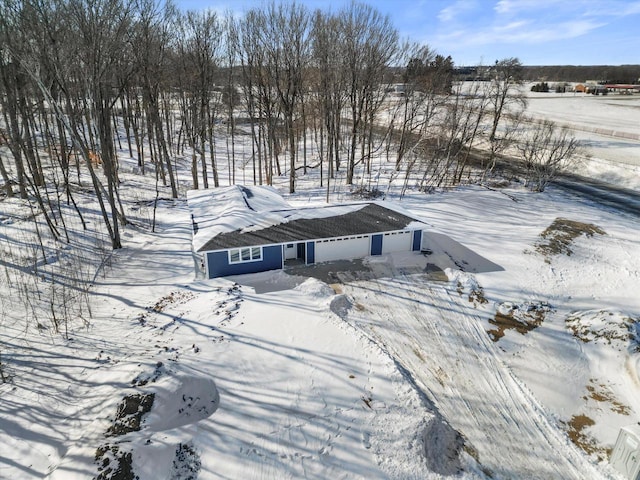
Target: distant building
591,87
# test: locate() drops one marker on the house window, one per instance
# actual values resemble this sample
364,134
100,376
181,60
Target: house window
245,254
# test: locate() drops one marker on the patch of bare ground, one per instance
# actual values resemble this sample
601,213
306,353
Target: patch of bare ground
521,318
442,376
148,377
476,293
178,297
575,429
115,461
602,394
602,326
173,297
186,464
476,296
558,237
130,413
418,354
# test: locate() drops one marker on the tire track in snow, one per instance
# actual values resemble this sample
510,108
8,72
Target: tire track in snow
435,336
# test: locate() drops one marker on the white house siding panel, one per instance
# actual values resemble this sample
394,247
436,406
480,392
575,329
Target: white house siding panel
342,249
396,242
290,251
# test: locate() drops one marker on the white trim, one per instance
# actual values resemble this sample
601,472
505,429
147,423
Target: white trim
316,240
241,251
340,239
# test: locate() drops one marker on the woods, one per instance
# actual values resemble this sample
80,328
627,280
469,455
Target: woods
92,80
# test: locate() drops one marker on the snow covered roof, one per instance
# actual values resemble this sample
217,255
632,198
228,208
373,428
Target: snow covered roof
240,216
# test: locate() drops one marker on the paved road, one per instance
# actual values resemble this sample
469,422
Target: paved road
618,198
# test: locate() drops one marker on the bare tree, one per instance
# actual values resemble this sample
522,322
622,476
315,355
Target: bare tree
426,85
152,39
290,59
13,84
284,40
328,86
259,90
199,45
371,42
547,151
103,29
506,105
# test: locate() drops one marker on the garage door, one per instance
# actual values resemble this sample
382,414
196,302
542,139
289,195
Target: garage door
342,248
396,242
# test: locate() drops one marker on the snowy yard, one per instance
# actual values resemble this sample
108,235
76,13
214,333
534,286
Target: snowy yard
606,125
303,383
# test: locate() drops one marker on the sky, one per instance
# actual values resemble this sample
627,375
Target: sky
473,32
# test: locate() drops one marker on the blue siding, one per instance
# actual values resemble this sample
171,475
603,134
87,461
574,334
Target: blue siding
417,240
218,263
311,253
376,244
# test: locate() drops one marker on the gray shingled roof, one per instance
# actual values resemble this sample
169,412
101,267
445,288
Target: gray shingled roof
372,218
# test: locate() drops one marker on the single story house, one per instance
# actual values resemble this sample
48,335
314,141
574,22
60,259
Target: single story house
242,229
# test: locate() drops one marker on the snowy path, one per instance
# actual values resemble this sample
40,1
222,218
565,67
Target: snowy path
430,330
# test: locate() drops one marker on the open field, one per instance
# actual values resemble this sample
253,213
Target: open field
607,125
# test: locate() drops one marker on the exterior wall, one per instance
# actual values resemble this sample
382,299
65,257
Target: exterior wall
397,242
290,251
218,263
417,241
344,248
376,244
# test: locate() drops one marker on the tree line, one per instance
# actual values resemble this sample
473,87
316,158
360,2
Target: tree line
333,92
581,73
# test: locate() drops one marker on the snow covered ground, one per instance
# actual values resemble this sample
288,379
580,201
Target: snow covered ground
606,125
509,349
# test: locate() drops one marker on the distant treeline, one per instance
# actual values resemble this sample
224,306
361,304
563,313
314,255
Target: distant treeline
565,73
581,73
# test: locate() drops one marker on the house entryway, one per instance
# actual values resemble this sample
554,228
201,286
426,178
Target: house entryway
294,254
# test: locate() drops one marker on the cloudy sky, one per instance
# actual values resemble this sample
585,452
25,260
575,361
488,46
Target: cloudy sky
538,32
